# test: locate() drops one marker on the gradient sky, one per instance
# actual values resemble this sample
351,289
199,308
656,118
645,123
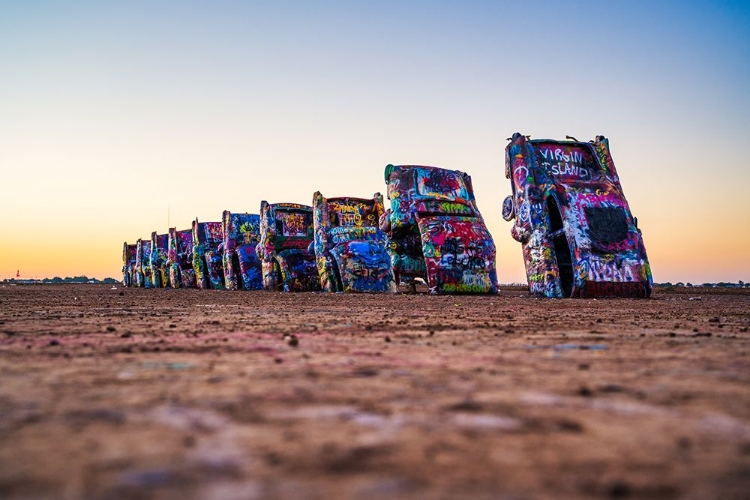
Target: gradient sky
119,118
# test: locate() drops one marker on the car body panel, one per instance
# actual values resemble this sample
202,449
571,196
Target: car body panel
436,231
578,235
180,261
128,263
350,249
242,267
208,261
459,254
143,264
286,232
159,258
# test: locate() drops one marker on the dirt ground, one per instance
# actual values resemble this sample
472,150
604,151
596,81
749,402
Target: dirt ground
109,392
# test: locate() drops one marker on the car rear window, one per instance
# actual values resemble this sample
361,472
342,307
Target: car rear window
293,223
569,163
441,185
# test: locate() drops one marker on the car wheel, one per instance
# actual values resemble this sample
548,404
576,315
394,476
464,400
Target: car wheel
509,211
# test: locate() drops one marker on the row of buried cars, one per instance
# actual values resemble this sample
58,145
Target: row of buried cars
568,210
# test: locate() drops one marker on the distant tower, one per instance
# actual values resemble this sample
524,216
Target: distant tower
18,273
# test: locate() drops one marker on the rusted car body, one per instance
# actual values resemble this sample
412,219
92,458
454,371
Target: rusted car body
207,254
159,258
143,276
242,268
349,246
180,262
128,263
436,231
578,235
286,232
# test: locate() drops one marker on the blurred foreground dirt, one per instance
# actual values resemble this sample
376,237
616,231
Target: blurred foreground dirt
169,394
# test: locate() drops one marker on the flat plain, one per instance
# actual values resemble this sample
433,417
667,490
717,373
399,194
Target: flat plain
113,392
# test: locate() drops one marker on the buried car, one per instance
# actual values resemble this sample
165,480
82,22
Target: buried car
436,231
242,269
143,276
128,263
181,272
578,235
286,232
349,246
207,257
159,258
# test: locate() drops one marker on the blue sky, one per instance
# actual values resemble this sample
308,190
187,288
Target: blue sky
119,118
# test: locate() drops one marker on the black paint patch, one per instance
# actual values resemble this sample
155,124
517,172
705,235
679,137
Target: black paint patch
607,225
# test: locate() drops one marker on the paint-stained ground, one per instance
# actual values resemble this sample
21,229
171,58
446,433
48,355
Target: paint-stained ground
169,394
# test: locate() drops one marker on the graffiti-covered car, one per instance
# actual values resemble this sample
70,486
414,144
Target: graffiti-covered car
436,231
159,258
349,246
242,269
578,235
208,262
180,262
143,276
286,232
128,263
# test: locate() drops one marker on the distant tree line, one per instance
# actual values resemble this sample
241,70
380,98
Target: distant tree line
59,280
721,284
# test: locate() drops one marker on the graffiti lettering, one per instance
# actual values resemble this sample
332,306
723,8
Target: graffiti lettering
478,280
470,283
406,265
347,208
350,218
564,162
559,155
608,271
454,208
351,214
456,255
565,169
294,225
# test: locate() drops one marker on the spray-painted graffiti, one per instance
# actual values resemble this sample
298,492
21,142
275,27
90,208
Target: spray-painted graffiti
128,264
436,231
349,247
143,276
294,224
605,270
286,232
179,258
566,160
207,256
459,255
356,214
242,268
441,184
578,236
159,257
442,207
